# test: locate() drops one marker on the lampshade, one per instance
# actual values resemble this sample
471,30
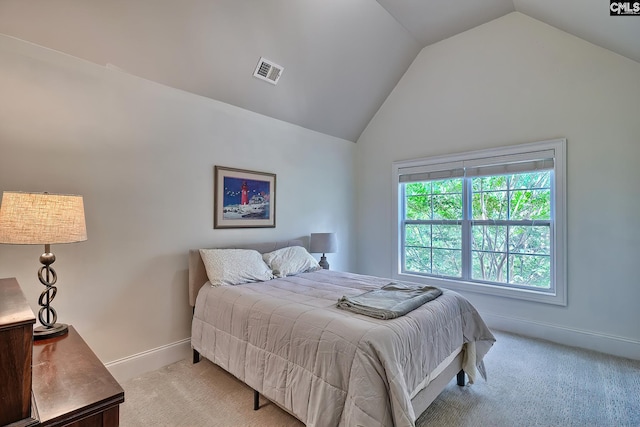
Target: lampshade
325,243
41,218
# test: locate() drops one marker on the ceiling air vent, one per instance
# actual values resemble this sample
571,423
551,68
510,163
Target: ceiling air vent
268,71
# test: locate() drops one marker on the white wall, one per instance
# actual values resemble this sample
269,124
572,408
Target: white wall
517,80
142,155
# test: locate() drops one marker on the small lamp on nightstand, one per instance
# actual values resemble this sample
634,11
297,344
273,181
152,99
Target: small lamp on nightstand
324,243
43,219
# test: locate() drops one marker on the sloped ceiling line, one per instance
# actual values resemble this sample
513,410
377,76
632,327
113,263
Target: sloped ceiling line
329,47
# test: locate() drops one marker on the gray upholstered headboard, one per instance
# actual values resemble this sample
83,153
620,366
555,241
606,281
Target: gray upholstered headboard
198,274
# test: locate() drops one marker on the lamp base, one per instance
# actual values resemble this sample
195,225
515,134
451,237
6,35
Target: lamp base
323,262
43,333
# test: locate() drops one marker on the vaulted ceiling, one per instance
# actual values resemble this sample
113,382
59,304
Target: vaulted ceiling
341,58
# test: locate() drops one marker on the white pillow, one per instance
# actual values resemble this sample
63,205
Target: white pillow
234,266
289,261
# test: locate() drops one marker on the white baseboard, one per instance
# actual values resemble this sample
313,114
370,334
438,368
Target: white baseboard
150,360
609,344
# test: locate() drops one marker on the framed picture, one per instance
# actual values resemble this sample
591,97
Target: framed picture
243,198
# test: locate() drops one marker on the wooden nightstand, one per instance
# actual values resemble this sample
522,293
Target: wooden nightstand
71,387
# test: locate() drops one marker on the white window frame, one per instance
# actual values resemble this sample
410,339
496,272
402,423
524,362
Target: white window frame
558,295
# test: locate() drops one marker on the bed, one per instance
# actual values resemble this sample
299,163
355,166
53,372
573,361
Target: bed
285,338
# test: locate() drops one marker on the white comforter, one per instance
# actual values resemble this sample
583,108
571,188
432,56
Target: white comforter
329,367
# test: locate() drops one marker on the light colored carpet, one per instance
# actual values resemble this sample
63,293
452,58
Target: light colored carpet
530,383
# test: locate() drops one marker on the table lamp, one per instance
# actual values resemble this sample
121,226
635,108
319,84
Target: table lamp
43,219
324,243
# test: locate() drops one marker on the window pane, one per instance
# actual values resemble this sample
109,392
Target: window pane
418,207
489,205
530,270
530,195
489,238
447,262
417,250
434,200
530,240
417,259
433,249
414,188
447,199
417,235
447,236
531,180
530,204
488,266
489,253
489,183
447,186
448,206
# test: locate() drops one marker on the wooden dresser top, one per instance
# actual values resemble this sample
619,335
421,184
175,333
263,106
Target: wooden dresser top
14,310
69,381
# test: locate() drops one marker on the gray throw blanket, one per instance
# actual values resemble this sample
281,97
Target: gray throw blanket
390,301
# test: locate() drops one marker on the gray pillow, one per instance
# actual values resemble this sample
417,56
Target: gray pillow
289,261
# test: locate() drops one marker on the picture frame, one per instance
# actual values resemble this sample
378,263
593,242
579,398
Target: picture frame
243,198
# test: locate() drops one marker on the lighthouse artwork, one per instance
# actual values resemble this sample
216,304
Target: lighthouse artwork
244,198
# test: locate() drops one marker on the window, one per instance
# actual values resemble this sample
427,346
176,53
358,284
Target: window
489,221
